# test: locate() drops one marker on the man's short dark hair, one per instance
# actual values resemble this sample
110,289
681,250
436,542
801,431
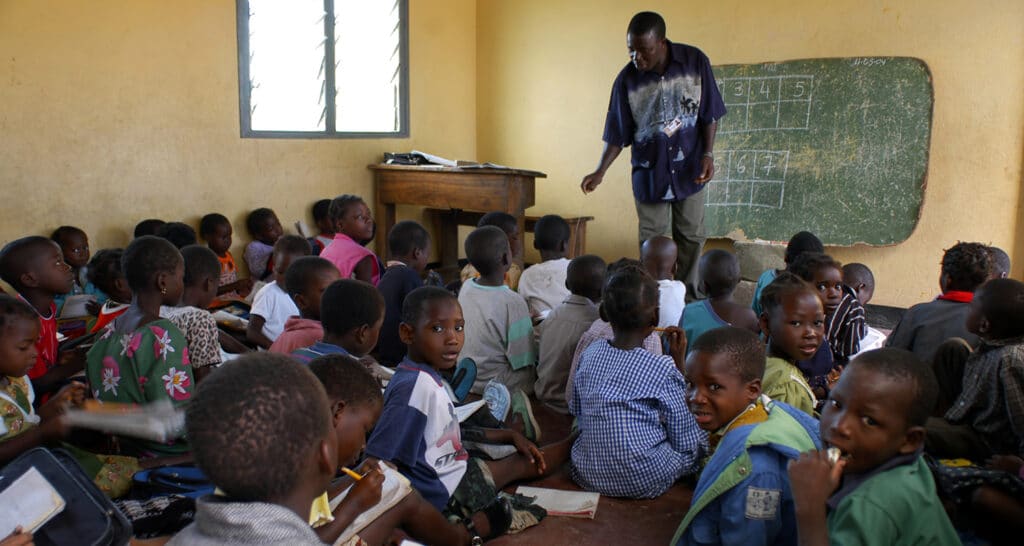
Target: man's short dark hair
11,308
407,236
809,263
254,421
145,257
647,21
625,293
348,304
503,220
179,234
321,209
255,220
303,271
346,380
744,349
485,247
209,223
966,266
801,242
785,283
720,272
1002,303
415,303
550,232
200,263
858,273
340,205
20,256
903,365
147,227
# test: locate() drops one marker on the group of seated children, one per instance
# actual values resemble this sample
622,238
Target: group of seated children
659,390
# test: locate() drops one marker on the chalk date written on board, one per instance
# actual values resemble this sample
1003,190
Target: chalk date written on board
867,61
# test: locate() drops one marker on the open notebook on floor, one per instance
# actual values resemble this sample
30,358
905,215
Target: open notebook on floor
573,504
395,488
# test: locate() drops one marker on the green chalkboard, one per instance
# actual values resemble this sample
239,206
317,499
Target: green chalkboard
835,146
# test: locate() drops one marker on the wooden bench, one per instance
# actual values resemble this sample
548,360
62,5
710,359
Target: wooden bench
447,222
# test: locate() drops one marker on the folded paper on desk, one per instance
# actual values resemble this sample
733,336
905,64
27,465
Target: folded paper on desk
573,504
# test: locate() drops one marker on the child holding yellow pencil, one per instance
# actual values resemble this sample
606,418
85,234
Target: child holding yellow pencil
356,404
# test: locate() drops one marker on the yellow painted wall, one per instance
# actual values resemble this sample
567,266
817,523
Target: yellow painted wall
112,111
544,71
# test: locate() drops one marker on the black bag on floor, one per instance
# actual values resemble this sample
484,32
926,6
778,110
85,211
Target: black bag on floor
88,517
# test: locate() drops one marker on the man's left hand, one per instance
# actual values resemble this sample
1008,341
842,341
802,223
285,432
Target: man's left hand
707,170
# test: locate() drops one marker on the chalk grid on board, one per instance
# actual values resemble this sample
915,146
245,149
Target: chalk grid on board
769,103
752,178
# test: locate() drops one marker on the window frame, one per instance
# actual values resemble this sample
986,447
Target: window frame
330,119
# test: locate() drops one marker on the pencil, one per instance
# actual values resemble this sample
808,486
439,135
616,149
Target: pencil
660,329
352,474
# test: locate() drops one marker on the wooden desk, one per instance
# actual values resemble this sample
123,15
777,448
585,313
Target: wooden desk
454,189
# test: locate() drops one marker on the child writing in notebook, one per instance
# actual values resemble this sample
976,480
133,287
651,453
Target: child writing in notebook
356,405
261,431
793,321
353,226
140,357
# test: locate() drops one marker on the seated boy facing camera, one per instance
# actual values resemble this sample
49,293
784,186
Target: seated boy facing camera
879,490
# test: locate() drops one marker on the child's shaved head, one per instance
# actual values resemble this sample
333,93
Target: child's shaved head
486,248
585,276
659,254
720,272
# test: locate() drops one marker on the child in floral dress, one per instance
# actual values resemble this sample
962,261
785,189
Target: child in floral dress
141,358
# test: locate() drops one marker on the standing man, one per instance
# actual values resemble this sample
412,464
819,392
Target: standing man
666,104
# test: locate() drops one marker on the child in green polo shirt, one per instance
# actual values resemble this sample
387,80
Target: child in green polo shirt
878,490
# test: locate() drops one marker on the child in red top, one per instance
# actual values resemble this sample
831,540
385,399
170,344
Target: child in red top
105,272
34,266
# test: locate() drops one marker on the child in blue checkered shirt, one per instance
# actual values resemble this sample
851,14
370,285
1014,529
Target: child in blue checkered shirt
637,436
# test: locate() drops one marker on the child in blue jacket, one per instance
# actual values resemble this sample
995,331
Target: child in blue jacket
743,496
